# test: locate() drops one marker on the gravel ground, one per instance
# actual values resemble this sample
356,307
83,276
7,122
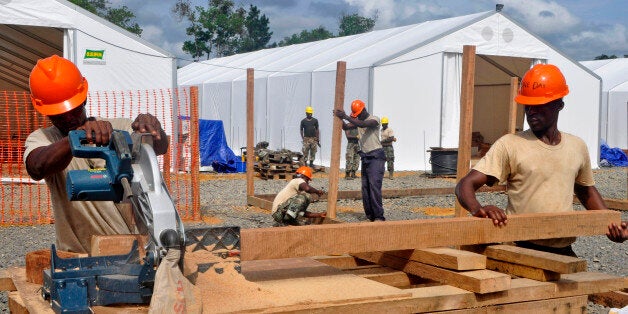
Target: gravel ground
223,198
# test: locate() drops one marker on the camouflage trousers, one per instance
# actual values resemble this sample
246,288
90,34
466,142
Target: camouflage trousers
288,212
352,157
309,148
390,158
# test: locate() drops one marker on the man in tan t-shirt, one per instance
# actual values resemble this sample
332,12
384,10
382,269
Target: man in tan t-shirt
59,91
542,166
292,201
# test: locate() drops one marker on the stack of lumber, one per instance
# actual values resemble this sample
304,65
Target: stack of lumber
402,267
278,164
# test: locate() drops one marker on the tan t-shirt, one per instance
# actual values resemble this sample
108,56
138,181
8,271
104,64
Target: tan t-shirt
77,221
290,190
386,134
369,137
540,177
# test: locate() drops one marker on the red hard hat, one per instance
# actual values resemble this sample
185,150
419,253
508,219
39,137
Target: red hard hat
57,86
356,108
306,171
542,84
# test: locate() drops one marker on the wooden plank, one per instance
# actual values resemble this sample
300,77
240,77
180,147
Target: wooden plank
543,260
336,138
392,193
577,304
259,202
38,261
478,281
616,204
6,282
195,163
29,292
16,304
522,270
467,90
250,131
512,106
344,261
290,241
117,244
444,257
616,299
588,283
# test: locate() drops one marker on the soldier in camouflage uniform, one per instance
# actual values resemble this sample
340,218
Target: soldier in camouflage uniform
292,202
352,156
388,137
310,136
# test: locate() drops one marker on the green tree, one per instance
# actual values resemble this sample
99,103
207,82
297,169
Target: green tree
351,24
604,57
221,29
121,16
306,36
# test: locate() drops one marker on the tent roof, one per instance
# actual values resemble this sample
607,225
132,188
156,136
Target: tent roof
614,73
33,29
359,51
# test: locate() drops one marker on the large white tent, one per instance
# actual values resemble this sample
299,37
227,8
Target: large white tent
110,57
410,74
614,113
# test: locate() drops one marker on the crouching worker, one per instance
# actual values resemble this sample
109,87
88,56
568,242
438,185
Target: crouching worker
294,199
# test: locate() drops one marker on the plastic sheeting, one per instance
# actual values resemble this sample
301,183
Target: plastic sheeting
213,147
613,156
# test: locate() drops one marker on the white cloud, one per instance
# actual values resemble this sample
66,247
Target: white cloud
542,16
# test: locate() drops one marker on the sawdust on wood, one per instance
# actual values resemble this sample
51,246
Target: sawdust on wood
435,211
211,220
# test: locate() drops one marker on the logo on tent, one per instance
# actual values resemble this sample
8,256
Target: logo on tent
94,57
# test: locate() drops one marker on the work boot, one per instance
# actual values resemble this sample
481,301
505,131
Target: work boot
353,174
390,175
348,175
311,163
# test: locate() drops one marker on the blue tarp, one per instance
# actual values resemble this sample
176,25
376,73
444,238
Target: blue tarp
614,156
213,147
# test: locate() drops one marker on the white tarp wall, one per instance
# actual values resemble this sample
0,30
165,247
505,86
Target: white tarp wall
614,113
129,63
410,74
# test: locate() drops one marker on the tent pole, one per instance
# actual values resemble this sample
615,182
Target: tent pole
334,167
250,134
466,117
512,112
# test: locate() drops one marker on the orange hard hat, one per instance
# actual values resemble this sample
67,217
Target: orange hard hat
57,86
306,171
542,84
356,107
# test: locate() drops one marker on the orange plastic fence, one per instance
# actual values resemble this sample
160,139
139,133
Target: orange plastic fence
26,202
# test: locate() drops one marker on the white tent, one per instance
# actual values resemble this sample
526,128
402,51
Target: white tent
410,74
110,57
614,113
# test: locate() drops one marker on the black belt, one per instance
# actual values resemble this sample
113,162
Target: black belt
352,140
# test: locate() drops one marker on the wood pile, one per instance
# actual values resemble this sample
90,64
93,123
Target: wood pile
280,164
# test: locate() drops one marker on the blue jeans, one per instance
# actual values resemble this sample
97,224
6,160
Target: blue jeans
373,164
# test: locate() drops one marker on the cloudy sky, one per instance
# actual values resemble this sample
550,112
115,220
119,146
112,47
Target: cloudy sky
582,29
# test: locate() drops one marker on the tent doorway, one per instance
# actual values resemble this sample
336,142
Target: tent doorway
492,95
20,48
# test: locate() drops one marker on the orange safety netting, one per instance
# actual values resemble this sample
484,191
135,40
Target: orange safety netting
24,201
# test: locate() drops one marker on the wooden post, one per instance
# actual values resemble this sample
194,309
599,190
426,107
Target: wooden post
336,137
466,117
512,111
194,148
250,130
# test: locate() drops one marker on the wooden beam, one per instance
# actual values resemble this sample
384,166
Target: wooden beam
616,299
6,282
478,281
444,257
16,304
576,304
466,117
259,202
331,239
194,149
336,138
522,270
610,203
512,106
392,193
250,131
549,261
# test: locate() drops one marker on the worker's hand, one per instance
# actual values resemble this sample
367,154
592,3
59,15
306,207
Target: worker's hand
320,192
147,123
340,114
493,212
394,139
618,233
97,131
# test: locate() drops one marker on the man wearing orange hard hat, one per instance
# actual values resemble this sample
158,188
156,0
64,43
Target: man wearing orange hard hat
59,91
372,156
542,166
292,201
